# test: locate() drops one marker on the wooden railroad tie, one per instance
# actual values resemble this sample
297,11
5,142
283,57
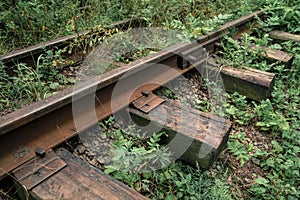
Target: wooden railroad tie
269,53
79,180
280,35
193,136
253,83
274,55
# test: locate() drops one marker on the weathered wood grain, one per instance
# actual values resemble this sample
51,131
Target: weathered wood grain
274,54
193,136
253,83
79,180
281,35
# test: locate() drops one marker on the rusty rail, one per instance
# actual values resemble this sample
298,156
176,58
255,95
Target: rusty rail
50,122
29,53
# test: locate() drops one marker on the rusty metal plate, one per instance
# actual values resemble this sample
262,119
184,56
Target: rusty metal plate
148,102
38,169
200,136
50,122
80,180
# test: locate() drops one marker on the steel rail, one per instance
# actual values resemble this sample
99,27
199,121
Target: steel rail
29,53
47,123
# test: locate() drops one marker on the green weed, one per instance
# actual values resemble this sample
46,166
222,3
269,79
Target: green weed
238,109
241,147
278,117
25,23
133,156
166,93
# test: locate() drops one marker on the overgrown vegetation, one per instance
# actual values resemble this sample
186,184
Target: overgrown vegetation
140,162
275,149
25,23
276,119
23,84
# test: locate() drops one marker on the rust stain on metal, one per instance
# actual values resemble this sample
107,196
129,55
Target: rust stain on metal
51,122
58,126
147,103
79,180
207,133
191,56
241,31
21,152
38,169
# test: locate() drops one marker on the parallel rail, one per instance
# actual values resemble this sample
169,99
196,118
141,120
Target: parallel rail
47,123
28,54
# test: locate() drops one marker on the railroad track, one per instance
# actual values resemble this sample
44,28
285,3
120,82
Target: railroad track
29,134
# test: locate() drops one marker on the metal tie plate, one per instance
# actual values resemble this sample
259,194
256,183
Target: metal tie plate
147,102
38,169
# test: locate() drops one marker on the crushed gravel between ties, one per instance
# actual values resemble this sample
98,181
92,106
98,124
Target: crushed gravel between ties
93,145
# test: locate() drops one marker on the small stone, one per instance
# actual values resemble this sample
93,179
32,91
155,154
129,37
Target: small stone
116,125
247,180
96,142
92,153
80,149
94,162
100,159
255,161
105,160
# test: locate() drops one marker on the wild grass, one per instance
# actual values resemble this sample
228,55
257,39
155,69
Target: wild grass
146,166
24,23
